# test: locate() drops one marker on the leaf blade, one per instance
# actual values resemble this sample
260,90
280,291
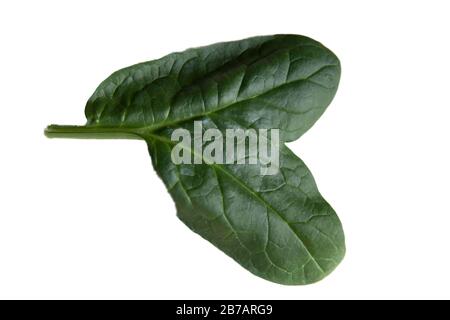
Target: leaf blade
277,246
156,94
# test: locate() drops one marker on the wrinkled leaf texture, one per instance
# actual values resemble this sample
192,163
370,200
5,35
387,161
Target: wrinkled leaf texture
278,226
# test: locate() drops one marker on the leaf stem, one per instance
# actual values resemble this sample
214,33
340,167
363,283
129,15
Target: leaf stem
87,132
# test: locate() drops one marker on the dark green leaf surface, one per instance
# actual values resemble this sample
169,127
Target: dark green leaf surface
277,226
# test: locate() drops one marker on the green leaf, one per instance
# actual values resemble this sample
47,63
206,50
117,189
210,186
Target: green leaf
277,226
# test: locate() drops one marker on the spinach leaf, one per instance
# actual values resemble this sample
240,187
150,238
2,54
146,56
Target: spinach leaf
277,226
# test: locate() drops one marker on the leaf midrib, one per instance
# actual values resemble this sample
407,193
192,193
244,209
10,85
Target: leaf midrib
152,128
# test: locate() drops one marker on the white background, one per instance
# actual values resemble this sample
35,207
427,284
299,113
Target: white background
91,219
